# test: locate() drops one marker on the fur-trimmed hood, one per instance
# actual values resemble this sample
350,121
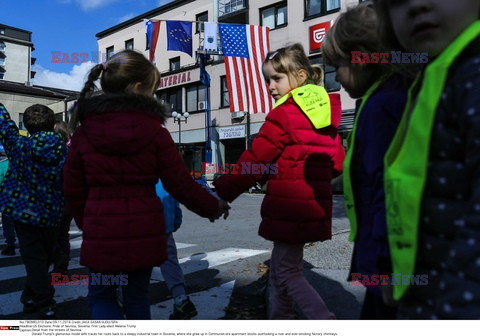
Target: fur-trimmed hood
121,124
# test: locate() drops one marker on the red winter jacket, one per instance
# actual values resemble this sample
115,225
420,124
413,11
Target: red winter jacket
297,207
112,167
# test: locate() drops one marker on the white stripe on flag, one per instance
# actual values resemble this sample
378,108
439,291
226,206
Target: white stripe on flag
248,90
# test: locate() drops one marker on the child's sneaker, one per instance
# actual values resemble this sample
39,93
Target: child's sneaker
9,250
185,311
28,306
47,312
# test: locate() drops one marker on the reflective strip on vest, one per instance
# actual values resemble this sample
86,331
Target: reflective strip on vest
347,182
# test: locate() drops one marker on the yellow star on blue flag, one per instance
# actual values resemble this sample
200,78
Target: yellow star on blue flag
179,36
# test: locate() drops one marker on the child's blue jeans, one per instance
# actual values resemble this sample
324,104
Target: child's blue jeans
171,270
105,303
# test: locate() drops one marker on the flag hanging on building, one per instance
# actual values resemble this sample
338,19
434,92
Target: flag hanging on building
210,36
153,29
244,49
179,36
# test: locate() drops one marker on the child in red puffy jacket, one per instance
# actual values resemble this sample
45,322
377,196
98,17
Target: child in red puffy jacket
300,151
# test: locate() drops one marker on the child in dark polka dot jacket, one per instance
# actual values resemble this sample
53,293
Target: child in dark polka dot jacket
31,196
432,168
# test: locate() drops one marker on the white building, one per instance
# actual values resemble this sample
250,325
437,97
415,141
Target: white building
290,21
16,54
16,89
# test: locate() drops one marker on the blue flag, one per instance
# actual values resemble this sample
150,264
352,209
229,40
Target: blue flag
204,76
179,36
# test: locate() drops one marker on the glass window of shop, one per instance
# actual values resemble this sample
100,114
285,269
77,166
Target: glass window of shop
195,94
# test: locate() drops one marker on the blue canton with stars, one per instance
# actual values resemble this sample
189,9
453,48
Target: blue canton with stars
234,40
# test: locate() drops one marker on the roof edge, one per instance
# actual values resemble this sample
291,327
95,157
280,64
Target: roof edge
146,15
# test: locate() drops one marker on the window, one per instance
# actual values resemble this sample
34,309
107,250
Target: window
2,61
225,100
203,17
2,46
330,83
2,31
1,75
129,44
230,6
174,63
109,52
274,16
195,94
315,8
172,98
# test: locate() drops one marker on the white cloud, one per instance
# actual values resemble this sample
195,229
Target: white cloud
127,17
74,80
87,5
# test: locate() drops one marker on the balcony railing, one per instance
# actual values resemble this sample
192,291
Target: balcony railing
230,6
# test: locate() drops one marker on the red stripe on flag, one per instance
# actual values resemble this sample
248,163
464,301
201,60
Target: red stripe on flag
247,88
156,32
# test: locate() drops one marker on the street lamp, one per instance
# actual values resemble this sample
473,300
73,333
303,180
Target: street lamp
177,117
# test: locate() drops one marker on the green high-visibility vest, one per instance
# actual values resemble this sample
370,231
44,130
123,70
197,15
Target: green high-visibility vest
347,178
407,158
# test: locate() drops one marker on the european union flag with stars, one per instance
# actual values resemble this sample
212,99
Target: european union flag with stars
234,40
179,36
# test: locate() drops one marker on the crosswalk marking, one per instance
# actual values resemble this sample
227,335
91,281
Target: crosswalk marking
210,304
197,262
18,271
201,261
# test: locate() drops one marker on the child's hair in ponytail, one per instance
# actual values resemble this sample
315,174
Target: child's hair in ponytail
291,59
119,75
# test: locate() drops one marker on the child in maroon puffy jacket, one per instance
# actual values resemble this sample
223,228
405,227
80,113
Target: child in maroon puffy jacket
299,149
116,157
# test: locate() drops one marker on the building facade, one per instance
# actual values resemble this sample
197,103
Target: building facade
16,54
16,89
290,21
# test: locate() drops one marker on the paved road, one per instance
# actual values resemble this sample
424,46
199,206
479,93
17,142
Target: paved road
225,265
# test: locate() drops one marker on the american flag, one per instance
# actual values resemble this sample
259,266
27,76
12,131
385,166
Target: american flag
244,49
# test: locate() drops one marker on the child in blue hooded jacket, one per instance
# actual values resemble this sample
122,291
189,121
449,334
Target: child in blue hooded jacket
183,308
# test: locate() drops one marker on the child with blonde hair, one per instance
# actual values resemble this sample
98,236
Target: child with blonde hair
300,149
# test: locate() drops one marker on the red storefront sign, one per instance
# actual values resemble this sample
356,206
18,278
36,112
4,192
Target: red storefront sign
317,35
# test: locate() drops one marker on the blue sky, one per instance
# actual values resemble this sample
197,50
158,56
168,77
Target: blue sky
68,26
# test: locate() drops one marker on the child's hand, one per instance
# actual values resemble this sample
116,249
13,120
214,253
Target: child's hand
223,208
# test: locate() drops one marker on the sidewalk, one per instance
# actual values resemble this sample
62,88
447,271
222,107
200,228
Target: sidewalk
326,266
